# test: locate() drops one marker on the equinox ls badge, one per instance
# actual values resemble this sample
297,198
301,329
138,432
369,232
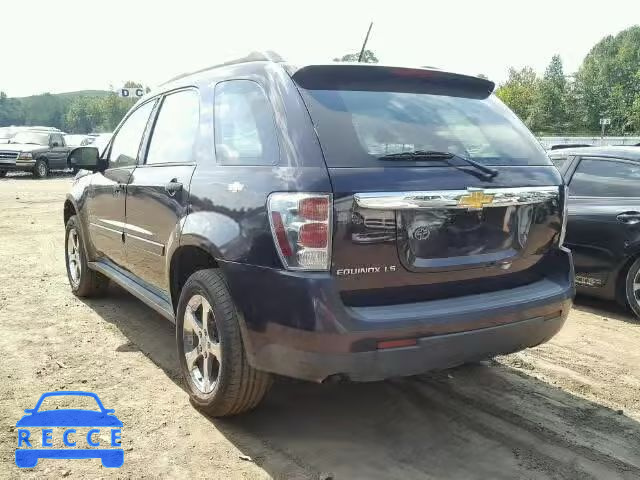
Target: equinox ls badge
475,200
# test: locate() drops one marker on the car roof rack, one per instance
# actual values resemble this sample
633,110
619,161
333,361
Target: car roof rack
255,56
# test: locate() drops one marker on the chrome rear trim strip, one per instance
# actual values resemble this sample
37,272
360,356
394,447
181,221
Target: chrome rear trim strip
469,199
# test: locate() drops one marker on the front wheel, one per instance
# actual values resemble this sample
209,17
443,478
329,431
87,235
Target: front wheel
41,170
3,173
213,361
84,281
632,287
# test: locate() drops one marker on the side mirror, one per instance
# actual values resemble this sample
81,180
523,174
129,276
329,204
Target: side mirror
85,158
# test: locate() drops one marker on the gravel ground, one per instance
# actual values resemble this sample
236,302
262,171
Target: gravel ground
566,409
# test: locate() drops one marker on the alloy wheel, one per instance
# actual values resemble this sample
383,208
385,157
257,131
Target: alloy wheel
201,344
42,169
73,256
636,288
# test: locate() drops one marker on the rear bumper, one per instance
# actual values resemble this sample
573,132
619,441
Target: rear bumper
431,353
296,325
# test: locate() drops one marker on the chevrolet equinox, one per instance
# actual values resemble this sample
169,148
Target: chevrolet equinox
322,222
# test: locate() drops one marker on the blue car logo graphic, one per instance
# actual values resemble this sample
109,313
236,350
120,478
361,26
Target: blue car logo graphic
67,420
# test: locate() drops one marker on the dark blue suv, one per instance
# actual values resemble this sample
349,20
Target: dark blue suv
324,222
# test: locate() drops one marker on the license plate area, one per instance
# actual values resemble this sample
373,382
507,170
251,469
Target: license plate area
459,237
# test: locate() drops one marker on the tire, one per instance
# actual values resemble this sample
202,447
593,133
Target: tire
237,386
3,173
632,294
84,282
41,170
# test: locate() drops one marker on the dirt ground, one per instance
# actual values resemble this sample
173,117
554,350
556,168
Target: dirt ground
567,409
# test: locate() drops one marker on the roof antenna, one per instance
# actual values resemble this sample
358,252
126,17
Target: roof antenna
366,39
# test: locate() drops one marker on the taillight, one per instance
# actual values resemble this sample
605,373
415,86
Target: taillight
301,229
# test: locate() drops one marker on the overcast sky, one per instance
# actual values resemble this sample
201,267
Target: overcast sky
67,45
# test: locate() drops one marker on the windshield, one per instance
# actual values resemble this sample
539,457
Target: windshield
358,127
31,137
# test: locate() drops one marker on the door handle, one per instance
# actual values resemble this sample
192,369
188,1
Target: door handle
173,187
630,218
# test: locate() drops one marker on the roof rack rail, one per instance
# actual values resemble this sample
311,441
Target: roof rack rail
255,56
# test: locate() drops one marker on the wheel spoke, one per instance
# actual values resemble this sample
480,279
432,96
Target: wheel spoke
75,242
190,321
206,371
191,358
636,286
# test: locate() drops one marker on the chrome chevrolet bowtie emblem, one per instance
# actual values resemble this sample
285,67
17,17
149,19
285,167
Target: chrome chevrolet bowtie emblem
475,200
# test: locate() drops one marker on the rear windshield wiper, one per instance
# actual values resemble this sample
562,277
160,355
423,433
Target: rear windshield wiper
436,155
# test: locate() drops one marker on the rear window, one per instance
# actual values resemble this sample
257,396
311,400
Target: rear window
357,127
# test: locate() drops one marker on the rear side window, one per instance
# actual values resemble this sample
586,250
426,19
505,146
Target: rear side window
605,178
245,132
126,142
176,129
56,138
357,127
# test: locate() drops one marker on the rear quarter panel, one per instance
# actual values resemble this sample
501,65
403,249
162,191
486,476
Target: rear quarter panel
227,214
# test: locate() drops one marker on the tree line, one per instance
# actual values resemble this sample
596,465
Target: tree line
606,85
77,112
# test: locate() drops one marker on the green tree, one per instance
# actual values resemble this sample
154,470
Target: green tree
84,115
367,57
88,114
550,106
635,114
519,92
113,109
11,111
45,109
608,82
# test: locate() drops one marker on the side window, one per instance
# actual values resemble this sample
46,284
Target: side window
176,129
126,142
245,132
606,178
56,138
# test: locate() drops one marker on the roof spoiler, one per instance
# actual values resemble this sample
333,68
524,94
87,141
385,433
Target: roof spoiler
396,79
